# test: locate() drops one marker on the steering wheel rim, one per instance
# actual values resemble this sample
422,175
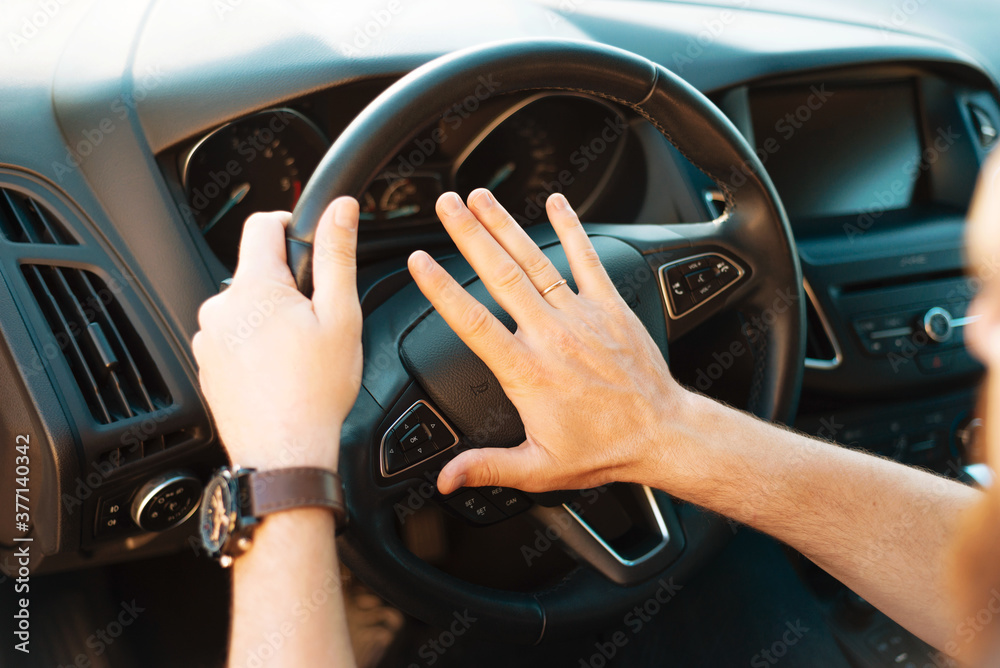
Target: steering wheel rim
754,229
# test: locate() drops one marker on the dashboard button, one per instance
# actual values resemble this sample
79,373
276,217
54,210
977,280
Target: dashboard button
934,363
113,515
474,507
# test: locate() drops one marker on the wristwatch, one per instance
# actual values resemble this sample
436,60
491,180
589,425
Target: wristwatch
236,500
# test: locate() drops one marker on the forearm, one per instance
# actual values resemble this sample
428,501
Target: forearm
881,528
287,604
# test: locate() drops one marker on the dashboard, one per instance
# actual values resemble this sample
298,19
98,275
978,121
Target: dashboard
135,172
523,150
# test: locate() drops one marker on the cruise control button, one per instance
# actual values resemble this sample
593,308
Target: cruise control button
508,500
472,506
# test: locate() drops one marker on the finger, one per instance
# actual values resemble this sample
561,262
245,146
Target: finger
502,276
491,467
588,272
475,325
512,237
262,248
335,265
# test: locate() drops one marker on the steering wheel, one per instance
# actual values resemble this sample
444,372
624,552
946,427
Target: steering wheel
423,387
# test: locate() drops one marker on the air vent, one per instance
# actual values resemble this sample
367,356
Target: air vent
822,351
25,221
108,359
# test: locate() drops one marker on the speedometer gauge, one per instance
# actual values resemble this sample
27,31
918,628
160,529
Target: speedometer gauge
258,163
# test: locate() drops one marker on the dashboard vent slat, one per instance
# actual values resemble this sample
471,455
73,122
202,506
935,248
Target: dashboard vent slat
23,220
109,361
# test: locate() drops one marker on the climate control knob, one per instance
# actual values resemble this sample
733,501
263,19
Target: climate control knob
166,501
938,324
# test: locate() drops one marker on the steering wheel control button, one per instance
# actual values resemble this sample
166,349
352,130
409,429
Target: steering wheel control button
699,278
475,508
166,501
392,455
690,283
509,501
418,434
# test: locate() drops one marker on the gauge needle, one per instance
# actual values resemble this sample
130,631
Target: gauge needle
235,198
402,211
501,175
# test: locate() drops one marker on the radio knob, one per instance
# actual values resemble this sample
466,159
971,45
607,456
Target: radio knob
937,324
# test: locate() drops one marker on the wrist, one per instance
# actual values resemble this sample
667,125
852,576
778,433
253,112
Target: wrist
681,457
267,454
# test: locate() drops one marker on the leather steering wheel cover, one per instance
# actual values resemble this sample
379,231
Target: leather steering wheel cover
754,216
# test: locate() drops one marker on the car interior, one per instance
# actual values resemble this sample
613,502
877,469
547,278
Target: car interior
778,190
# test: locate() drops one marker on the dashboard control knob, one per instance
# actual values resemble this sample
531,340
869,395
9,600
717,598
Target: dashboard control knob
938,324
166,501
966,434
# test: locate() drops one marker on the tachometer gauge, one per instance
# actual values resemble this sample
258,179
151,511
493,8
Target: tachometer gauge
259,163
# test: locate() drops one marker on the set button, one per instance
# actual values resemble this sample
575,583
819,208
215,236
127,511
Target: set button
487,505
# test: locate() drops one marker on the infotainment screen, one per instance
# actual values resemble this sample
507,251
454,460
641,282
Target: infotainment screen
839,150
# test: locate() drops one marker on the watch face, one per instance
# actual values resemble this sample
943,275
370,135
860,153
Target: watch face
217,514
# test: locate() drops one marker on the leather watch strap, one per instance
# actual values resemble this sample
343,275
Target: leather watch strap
284,489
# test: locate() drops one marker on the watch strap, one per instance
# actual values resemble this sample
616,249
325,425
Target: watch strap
288,488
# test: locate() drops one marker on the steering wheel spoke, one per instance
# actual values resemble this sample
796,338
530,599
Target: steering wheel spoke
625,532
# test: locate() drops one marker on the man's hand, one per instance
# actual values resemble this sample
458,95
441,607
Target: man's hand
281,371
589,383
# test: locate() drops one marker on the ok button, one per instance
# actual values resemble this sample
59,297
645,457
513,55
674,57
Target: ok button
417,435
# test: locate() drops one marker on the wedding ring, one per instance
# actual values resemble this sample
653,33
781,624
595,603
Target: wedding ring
561,281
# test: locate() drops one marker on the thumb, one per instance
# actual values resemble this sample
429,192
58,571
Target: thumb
490,467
